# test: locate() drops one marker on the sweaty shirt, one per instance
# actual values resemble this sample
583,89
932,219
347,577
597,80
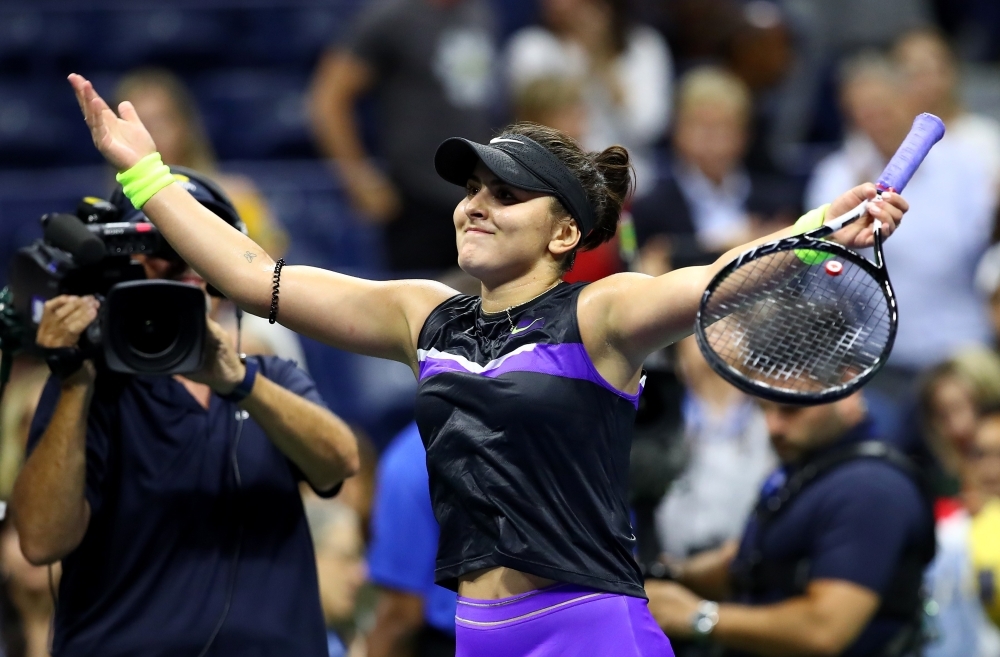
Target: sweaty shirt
527,445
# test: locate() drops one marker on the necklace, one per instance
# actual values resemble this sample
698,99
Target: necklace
523,303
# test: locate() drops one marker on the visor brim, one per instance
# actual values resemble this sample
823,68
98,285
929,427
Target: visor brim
456,159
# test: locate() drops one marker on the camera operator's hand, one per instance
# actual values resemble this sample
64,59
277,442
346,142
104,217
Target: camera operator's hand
222,370
122,141
64,319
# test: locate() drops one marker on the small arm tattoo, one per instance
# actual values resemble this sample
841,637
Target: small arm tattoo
249,256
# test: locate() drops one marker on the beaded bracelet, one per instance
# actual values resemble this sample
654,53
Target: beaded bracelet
275,283
148,176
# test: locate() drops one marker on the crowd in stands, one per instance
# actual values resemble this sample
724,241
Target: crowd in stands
739,115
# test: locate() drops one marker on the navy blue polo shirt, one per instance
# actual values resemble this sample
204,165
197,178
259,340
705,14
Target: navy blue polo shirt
152,573
853,524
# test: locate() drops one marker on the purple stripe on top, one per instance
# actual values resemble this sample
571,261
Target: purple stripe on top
569,360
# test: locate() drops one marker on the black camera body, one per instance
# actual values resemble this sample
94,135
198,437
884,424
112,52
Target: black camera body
144,326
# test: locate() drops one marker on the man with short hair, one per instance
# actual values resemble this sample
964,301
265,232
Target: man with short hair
831,561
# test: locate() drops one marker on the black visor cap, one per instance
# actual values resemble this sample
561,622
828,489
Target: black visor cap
520,162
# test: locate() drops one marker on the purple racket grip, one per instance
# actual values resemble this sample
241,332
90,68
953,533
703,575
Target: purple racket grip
927,130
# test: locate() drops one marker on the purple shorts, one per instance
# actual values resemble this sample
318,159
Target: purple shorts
564,620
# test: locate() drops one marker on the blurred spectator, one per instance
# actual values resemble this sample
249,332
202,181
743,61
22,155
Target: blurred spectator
807,119
984,457
730,458
988,285
358,491
831,563
340,566
955,580
930,71
751,38
950,400
554,101
430,64
171,115
985,539
414,616
26,606
704,201
16,410
558,102
948,227
961,628
625,71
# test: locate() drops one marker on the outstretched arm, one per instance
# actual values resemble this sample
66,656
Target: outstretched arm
374,318
341,79
635,314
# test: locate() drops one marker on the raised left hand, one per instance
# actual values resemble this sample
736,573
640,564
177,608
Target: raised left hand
122,138
222,369
673,607
888,209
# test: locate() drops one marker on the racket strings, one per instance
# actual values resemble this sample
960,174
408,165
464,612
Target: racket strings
781,322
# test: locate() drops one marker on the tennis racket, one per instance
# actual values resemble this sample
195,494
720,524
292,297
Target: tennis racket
805,321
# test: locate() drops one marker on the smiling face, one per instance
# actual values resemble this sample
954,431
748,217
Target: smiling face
504,232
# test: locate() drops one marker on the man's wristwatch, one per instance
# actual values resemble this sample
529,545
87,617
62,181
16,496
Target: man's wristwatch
242,391
705,619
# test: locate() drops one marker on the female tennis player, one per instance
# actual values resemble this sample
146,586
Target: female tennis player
527,394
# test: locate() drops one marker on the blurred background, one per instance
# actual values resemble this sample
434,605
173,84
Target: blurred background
320,118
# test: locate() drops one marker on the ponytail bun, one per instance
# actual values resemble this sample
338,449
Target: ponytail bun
615,174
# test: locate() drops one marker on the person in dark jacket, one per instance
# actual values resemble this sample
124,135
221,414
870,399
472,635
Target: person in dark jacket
831,562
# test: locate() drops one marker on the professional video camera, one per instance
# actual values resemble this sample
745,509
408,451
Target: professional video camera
144,326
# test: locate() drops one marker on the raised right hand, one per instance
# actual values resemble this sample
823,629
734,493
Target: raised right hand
122,141
64,319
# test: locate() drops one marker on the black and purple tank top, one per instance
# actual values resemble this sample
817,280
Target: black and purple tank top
527,445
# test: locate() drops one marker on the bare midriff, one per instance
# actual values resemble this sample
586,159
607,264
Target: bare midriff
499,582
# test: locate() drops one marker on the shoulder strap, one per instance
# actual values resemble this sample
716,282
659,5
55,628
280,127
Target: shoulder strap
813,470
903,598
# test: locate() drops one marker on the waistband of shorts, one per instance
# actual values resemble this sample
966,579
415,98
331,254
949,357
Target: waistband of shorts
490,613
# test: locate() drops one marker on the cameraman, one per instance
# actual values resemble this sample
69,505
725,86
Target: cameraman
173,501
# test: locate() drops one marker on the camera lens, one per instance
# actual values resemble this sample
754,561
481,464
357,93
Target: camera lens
151,330
154,327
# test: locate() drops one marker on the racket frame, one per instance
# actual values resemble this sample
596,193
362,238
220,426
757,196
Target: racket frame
809,241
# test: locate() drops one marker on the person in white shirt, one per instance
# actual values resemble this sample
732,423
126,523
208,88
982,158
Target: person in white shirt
932,265
730,457
625,70
931,72
704,199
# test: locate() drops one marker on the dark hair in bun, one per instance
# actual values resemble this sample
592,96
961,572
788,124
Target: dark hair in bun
606,176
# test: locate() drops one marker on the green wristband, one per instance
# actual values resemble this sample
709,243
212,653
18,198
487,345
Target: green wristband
148,176
810,221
